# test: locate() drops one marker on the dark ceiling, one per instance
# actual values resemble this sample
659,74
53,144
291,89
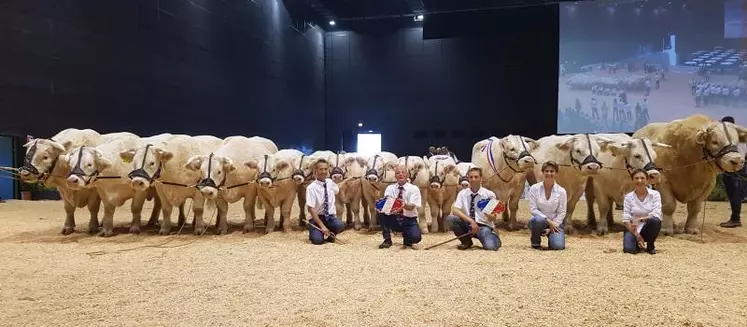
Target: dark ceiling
345,10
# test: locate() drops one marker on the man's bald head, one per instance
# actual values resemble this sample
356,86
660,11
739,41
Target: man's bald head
400,168
400,173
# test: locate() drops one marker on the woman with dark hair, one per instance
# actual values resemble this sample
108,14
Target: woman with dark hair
641,215
547,203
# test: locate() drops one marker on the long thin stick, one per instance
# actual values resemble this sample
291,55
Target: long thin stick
450,240
330,233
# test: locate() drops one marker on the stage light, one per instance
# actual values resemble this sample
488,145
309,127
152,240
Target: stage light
360,124
332,23
418,18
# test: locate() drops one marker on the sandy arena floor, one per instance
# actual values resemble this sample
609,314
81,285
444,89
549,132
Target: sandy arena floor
281,280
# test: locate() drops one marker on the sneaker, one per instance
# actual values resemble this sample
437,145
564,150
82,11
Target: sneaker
731,224
386,244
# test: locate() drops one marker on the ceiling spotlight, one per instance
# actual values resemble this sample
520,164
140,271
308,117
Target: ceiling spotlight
418,18
360,124
332,23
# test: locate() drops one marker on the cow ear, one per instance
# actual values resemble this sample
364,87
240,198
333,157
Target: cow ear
742,132
102,162
127,155
251,164
700,137
228,165
532,143
163,155
194,163
449,169
567,144
619,149
281,164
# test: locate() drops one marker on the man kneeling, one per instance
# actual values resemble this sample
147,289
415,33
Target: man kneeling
405,219
320,202
477,223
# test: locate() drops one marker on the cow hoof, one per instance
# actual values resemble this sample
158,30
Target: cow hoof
134,229
199,231
570,230
287,229
692,230
434,228
164,231
222,231
269,230
248,229
93,230
152,222
357,226
424,229
601,231
67,230
106,233
667,231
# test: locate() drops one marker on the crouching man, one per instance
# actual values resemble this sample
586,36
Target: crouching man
404,219
468,218
320,202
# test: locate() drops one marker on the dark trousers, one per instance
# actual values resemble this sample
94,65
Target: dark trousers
405,225
332,223
733,186
649,232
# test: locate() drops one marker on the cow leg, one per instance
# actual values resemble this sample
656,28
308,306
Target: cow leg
285,211
301,205
571,205
422,221
605,208
513,209
153,220
249,213
94,202
668,206
593,193
166,208
222,222
354,209
136,207
364,211
445,212
198,209
182,216
269,215
693,209
69,226
435,213
108,220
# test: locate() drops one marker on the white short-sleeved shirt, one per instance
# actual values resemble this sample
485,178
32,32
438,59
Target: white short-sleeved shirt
553,208
634,207
410,195
464,198
315,196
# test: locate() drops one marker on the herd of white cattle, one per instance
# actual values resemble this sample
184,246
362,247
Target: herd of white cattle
682,157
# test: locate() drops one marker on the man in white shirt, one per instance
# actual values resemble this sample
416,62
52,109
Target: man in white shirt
405,219
733,187
320,202
468,218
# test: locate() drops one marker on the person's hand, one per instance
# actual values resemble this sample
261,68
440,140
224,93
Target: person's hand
546,232
325,231
474,227
642,219
639,240
551,226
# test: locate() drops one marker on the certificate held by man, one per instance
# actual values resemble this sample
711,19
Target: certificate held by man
491,206
387,205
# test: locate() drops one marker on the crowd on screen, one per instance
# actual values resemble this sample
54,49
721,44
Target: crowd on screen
707,92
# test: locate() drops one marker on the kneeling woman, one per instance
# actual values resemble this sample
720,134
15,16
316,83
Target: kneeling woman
547,204
641,212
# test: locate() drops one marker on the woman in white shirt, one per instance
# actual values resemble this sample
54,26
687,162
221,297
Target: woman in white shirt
547,203
641,216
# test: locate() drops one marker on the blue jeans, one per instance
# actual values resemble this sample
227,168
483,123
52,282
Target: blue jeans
537,226
649,232
332,223
396,223
486,235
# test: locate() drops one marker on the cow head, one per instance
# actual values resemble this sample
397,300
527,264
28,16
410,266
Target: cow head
719,141
517,150
417,168
337,167
354,165
40,159
583,149
147,162
639,154
86,163
441,170
213,172
264,166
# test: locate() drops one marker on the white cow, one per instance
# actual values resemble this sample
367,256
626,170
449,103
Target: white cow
444,186
42,164
228,174
379,175
99,168
505,163
417,170
463,168
176,182
286,170
577,157
626,154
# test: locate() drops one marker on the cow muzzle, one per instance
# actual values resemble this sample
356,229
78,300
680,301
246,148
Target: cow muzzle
337,174
435,182
526,161
139,183
265,179
732,162
209,192
372,175
298,176
74,182
464,182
